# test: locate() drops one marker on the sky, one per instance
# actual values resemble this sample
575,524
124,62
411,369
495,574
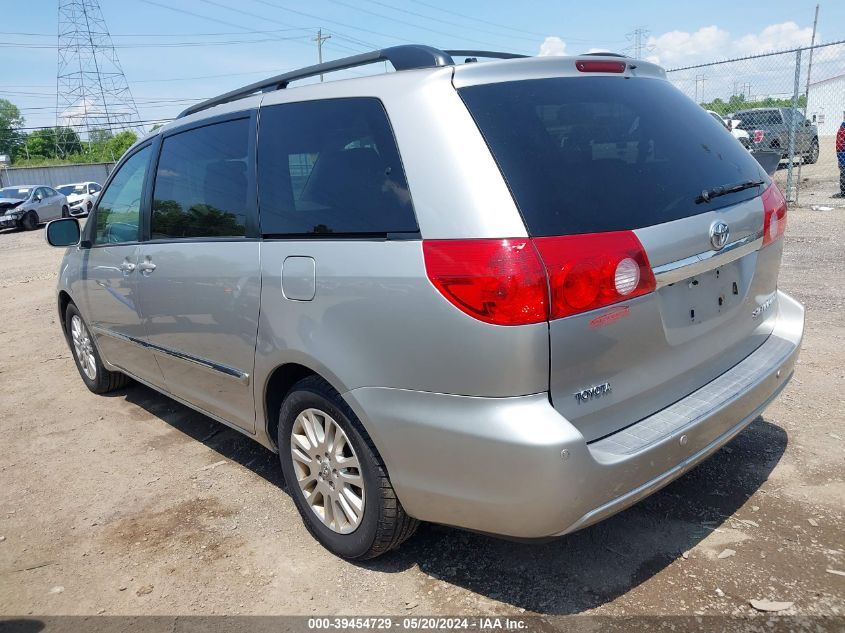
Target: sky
174,52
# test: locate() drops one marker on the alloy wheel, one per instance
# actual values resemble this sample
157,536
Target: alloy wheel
83,347
328,471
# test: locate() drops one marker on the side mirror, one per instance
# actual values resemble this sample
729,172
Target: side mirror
37,197
63,232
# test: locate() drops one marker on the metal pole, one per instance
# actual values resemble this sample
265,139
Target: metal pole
810,60
790,190
807,89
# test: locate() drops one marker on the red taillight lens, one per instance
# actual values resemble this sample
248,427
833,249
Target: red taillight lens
597,66
774,217
496,281
758,135
594,270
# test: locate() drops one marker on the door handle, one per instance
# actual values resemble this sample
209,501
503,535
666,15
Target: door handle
127,267
146,267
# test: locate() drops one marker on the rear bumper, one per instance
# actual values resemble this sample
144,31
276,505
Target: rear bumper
516,467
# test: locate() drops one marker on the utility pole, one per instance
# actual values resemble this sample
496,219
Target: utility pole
810,62
320,38
807,89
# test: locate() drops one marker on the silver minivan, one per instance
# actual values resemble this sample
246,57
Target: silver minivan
514,296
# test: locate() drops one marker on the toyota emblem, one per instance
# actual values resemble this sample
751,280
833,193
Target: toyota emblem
719,232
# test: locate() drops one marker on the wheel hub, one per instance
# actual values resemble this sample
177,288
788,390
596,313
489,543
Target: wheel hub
325,469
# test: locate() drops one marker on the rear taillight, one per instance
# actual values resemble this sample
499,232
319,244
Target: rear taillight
508,281
774,216
758,135
496,281
597,66
594,270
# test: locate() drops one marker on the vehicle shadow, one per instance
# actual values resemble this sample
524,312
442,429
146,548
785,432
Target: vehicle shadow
229,443
589,568
568,575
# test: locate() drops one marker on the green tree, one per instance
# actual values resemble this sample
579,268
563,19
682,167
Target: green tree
103,145
121,142
11,120
738,102
52,142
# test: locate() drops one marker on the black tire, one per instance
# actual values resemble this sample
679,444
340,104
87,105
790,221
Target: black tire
104,380
30,221
65,211
88,206
813,155
384,524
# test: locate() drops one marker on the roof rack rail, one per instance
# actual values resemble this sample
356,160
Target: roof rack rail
405,57
488,54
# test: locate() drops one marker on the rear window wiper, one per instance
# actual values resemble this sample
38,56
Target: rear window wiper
724,190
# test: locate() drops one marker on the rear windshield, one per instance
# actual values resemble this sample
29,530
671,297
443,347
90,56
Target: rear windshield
69,189
593,154
758,118
14,193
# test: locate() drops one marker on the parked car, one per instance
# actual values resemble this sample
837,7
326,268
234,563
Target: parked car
26,207
81,196
506,296
769,129
731,126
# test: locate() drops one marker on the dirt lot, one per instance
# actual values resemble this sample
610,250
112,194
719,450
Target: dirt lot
134,504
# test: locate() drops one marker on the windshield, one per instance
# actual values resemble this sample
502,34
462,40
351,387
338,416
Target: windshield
69,189
15,193
758,118
592,154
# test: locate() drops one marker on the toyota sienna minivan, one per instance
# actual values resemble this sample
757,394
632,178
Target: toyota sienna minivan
514,296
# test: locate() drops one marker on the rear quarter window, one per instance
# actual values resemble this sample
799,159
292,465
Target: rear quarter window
331,167
595,154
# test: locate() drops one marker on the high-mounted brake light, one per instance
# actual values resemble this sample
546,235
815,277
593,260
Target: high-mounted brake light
591,271
497,281
774,214
598,66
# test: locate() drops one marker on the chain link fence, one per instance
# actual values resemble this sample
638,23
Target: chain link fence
788,107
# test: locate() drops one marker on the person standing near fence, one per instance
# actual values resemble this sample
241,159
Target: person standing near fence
840,157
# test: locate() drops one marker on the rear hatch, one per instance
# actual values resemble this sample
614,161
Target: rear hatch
616,159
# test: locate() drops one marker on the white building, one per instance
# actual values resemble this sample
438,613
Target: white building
826,102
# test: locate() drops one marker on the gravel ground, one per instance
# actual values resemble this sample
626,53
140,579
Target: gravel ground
132,504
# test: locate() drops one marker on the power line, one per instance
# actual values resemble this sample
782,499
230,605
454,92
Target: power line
474,18
164,45
474,27
217,34
111,127
192,13
458,38
343,24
